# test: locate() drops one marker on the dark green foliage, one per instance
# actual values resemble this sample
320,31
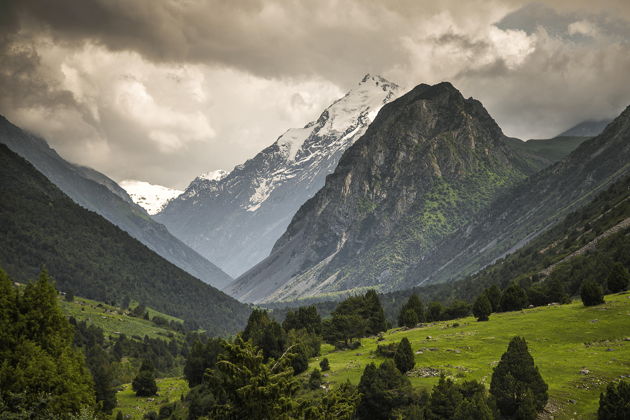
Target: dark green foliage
412,312
119,415
305,317
265,333
435,311
144,383
482,307
457,309
355,317
516,384
386,350
339,403
404,358
41,373
315,380
614,404
100,366
243,386
591,293
384,389
466,401
311,341
513,298
299,358
407,318
93,258
618,278
201,357
324,364
494,297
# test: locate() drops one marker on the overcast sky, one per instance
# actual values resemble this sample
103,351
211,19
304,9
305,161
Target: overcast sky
161,91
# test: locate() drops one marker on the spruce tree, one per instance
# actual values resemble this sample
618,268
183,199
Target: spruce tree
144,383
407,318
516,383
445,398
482,307
618,278
315,380
435,311
494,296
384,390
404,358
615,402
324,364
591,293
513,298
374,313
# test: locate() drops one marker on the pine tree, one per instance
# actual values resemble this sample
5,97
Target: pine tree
615,402
40,366
516,382
591,293
384,389
144,383
407,318
315,380
435,311
482,307
413,304
494,296
324,364
404,358
445,398
618,278
513,298
374,313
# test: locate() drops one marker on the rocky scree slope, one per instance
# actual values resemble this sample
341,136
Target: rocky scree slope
233,219
427,164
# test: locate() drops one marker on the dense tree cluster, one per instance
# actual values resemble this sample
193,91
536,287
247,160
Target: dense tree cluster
355,317
614,404
42,375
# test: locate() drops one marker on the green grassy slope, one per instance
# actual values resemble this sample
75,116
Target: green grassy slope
563,340
542,153
114,321
132,407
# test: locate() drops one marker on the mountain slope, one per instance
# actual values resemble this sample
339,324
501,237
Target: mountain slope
428,163
544,152
530,208
98,193
86,254
586,129
234,219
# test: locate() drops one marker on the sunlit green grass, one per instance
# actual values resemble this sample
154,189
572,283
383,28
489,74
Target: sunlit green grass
113,320
562,339
169,390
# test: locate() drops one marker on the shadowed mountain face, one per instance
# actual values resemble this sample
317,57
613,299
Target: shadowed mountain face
586,129
234,219
98,193
427,164
89,256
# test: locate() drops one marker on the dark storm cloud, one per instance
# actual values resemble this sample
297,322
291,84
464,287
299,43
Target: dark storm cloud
163,90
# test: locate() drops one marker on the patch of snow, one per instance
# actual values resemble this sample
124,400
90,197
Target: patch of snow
293,139
217,175
151,197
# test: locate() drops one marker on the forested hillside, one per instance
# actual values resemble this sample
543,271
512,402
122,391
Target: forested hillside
90,257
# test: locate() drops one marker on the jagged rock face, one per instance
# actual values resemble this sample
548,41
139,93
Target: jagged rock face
429,162
531,207
234,219
95,191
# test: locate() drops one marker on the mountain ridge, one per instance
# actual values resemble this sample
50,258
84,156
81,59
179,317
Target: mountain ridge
95,191
234,218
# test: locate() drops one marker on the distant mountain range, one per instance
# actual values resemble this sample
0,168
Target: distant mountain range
233,219
149,196
87,255
432,192
589,128
98,193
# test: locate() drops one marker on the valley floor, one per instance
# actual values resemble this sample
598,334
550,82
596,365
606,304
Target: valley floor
577,349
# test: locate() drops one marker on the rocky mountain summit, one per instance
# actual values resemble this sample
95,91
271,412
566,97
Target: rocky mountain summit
428,163
233,219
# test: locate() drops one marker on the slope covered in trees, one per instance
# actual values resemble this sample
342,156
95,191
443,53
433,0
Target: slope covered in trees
90,257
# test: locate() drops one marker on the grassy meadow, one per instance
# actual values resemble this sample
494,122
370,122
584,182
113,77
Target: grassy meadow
577,349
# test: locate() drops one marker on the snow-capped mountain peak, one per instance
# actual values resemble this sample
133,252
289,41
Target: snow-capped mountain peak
234,219
217,175
151,197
